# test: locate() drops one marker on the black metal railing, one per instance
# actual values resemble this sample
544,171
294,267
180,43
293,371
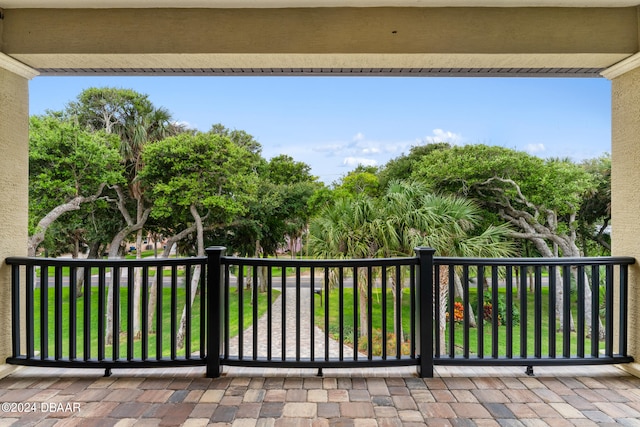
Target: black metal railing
531,311
325,313
319,313
77,313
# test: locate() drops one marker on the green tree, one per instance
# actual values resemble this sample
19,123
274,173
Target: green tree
136,121
401,168
205,176
539,198
407,216
68,167
594,215
361,180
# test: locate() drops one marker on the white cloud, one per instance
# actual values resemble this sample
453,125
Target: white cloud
358,137
440,135
535,148
355,161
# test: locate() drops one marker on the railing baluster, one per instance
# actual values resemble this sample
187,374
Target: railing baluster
204,283
399,332
466,315
270,313
240,289
566,309
437,311
384,312
369,312
312,313
298,309
130,303
341,313
29,312
44,312
623,303
227,299
327,286
451,309
144,300
174,311
523,312
581,312
159,310
495,327
187,297
480,290
552,311
254,306
101,312
537,292
86,315
58,313
356,312
412,320
73,313
283,313
341,310
608,336
16,320
115,339
509,304
595,312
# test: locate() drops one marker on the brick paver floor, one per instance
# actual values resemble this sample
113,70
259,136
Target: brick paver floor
568,396
584,396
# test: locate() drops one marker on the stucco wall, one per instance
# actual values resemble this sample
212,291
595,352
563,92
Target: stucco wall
625,188
14,167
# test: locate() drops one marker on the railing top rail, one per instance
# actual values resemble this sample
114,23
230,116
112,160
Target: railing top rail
288,262
74,262
618,260
320,263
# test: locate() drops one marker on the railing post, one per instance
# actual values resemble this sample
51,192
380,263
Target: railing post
424,312
215,309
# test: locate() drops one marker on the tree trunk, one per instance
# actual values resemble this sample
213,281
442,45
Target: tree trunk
114,250
459,292
153,288
137,285
73,205
195,279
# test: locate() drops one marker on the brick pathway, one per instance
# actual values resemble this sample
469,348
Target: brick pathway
291,344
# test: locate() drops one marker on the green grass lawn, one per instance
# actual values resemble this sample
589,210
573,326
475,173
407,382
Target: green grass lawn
151,338
474,338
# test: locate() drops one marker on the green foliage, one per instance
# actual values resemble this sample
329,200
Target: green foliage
470,170
405,217
501,309
401,168
66,161
204,170
362,180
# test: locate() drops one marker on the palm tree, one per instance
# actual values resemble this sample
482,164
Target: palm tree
406,216
347,229
446,223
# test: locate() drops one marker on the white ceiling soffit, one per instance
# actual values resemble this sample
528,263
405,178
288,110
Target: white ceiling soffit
106,4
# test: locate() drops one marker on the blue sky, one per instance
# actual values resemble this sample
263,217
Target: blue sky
334,123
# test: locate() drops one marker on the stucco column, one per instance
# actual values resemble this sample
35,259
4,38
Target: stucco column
14,178
625,183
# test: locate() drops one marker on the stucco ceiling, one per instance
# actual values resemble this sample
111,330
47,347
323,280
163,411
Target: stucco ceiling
14,4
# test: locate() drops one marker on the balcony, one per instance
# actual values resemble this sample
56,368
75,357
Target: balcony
319,314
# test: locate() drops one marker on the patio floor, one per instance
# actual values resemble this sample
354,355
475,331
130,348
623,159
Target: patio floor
582,396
